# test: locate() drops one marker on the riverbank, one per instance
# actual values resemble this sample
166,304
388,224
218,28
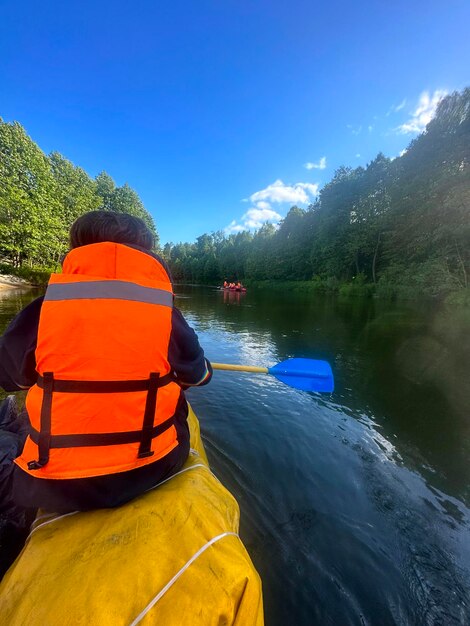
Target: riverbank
8,281
361,289
25,276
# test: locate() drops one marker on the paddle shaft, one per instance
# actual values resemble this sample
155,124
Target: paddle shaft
239,368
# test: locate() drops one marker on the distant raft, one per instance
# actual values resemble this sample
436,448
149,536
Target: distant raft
170,557
238,289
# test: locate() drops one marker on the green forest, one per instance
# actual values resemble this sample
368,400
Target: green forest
398,227
41,196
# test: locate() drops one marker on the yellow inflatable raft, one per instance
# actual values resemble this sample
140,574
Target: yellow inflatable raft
171,557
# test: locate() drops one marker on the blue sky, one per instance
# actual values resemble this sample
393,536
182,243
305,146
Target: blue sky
212,110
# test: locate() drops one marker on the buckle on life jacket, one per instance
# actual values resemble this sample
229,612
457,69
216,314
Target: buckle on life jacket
144,455
35,465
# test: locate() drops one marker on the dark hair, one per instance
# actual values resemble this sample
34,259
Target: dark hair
99,226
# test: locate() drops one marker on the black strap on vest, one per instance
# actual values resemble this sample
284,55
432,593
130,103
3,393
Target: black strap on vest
150,406
45,440
101,439
104,386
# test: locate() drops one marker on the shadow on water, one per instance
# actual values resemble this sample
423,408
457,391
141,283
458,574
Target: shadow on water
354,506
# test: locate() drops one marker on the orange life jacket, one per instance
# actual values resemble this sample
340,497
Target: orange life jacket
105,398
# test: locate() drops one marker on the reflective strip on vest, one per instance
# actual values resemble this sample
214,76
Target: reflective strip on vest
108,290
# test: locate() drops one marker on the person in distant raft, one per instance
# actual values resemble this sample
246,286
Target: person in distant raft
105,355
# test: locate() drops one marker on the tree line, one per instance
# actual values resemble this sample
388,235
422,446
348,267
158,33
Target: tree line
41,196
397,222
402,222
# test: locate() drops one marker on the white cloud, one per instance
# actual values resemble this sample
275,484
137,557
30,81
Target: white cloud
311,188
261,211
400,154
370,128
396,107
423,113
321,165
358,156
262,204
356,130
232,228
254,218
400,106
279,192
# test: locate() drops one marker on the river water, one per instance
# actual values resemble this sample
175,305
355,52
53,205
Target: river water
354,505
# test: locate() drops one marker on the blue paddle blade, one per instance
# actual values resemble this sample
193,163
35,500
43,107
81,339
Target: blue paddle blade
305,374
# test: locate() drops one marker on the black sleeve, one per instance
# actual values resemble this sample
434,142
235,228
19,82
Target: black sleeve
185,355
17,349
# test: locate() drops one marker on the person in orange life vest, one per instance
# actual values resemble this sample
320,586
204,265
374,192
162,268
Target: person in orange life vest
225,284
105,356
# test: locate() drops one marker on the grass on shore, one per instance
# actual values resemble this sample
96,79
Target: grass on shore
361,289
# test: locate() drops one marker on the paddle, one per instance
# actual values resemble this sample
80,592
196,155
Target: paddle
305,374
